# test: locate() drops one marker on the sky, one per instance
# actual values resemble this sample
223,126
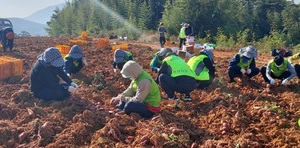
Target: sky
24,8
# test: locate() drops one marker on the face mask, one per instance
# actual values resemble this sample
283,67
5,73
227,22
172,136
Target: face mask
245,59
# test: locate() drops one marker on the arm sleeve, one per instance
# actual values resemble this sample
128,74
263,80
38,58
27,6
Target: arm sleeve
268,71
235,60
114,65
68,65
207,62
63,75
129,92
252,64
163,69
142,91
291,70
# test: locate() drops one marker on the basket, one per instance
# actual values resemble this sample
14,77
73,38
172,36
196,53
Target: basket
12,67
102,43
63,49
120,46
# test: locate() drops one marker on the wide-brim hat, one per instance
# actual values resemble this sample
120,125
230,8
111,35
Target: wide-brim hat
76,52
250,52
119,56
52,56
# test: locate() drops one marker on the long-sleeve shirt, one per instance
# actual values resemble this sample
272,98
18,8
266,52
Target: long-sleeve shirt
189,31
290,67
143,89
46,76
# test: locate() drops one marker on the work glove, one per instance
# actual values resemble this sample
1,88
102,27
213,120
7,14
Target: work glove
71,89
285,82
115,70
248,71
155,70
117,99
272,81
84,62
243,71
74,85
68,75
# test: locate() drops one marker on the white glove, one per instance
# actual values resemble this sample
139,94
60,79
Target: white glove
248,71
84,62
285,82
272,81
74,85
243,71
68,75
115,70
71,89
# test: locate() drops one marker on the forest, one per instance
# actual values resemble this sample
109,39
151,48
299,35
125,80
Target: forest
266,23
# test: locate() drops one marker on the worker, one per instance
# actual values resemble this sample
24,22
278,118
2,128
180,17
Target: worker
74,61
297,65
7,38
156,62
120,58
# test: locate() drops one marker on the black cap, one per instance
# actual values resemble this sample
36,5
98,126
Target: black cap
278,60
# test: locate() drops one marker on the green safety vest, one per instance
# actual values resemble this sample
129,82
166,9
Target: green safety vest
194,62
153,97
182,33
244,65
128,54
178,66
277,71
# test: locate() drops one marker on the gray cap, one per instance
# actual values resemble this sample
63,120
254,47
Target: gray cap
52,56
164,51
76,52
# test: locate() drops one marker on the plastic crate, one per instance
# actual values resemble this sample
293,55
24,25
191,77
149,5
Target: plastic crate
84,35
15,66
5,71
63,49
102,43
77,42
121,46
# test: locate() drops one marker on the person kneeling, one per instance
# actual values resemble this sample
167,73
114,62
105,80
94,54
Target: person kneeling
142,96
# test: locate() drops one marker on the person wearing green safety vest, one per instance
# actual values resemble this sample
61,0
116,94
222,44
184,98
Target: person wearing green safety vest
278,68
120,58
142,96
156,62
243,64
297,65
175,75
202,65
74,61
182,37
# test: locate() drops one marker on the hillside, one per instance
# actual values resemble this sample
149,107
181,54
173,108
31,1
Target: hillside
35,29
225,114
44,15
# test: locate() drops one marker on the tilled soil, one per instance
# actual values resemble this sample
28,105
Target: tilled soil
240,114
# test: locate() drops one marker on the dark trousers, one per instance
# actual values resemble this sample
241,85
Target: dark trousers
48,94
169,84
297,68
7,44
162,41
181,42
204,83
75,69
235,71
284,75
136,107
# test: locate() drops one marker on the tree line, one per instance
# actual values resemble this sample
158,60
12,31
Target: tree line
275,21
